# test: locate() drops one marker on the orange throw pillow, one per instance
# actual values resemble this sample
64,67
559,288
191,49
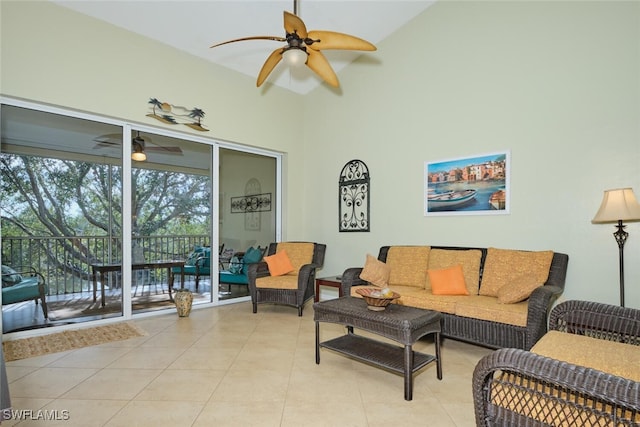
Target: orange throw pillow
448,281
279,264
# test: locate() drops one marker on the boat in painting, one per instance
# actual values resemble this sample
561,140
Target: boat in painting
498,200
450,199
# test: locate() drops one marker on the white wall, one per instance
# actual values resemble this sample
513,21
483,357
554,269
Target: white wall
556,83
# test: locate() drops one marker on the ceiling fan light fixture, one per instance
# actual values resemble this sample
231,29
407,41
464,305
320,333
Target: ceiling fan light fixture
294,56
138,153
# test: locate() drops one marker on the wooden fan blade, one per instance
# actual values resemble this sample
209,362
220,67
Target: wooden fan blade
167,150
293,24
269,65
319,64
334,40
109,139
275,38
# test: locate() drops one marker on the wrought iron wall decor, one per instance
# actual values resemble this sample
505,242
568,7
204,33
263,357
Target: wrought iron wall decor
253,218
254,203
353,197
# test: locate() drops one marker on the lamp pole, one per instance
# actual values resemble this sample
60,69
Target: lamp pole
621,238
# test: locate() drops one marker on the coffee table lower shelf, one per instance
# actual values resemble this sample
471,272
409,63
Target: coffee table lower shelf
391,357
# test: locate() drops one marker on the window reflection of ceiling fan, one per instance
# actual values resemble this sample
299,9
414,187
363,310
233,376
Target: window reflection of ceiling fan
140,144
303,47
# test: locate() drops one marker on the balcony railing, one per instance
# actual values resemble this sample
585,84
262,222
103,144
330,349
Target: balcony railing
66,262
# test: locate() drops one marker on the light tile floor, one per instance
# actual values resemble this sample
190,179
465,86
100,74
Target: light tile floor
226,366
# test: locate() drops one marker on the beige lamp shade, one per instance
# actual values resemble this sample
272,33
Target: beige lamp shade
618,204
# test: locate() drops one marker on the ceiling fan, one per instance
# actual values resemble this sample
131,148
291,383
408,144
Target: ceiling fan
304,47
139,145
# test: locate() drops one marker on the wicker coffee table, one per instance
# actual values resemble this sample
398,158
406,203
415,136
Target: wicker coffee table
402,324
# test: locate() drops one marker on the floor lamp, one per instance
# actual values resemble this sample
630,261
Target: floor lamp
618,205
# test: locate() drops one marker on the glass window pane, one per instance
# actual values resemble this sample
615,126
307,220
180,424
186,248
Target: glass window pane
62,199
171,217
247,214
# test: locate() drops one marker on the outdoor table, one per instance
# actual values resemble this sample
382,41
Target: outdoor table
109,267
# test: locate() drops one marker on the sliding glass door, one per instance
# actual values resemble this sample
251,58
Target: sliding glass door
61,216
248,216
171,213
114,217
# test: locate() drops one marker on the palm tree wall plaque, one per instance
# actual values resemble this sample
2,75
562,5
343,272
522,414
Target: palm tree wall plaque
174,114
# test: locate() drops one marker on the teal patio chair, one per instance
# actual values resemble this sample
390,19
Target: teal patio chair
238,271
19,286
198,264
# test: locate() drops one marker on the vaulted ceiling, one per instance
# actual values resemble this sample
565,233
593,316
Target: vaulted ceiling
193,26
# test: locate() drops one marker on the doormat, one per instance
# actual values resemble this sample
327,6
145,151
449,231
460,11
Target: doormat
69,340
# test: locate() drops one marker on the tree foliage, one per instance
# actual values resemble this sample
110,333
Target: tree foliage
45,197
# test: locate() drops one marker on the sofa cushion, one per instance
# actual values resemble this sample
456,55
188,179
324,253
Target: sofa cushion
277,282
229,278
27,289
279,263
415,297
469,259
422,298
235,265
251,256
448,281
504,265
299,253
489,308
519,289
10,277
375,271
408,265
611,357
206,260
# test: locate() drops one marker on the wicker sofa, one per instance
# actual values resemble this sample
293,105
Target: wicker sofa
479,317
591,380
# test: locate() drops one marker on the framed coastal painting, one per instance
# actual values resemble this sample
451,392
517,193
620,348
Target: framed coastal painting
475,185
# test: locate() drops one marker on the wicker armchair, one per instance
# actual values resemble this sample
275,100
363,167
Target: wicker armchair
294,288
517,387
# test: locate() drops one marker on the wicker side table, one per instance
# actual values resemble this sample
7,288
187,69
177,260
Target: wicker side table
402,324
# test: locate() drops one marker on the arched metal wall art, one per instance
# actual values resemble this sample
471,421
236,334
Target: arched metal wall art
353,197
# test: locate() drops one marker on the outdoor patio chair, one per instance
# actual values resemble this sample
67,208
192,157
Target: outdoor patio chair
238,271
287,274
198,264
24,285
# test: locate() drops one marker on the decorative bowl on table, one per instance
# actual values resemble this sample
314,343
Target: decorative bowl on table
377,299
